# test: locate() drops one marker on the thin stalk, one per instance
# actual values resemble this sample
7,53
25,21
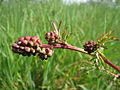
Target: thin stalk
59,26
55,27
109,63
70,47
116,76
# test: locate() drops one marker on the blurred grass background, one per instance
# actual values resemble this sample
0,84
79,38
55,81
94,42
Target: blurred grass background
65,69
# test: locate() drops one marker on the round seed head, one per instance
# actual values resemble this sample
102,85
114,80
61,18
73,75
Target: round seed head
27,37
21,39
52,38
27,49
48,34
49,54
46,57
34,38
47,50
36,44
19,42
39,41
30,43
43,51
24,42
32,50
38,49
17,46
21,47
14,45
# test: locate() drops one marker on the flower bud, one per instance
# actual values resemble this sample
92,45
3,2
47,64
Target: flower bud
27,49
30,43
14,45
27,37
32,50
49,54
47,50
38,49
21,39
22,47
43,51
48,34
39,41
24,42
34,38
19,42
52,38
90,46
36,44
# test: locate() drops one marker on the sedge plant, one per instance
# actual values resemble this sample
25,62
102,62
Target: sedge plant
32,45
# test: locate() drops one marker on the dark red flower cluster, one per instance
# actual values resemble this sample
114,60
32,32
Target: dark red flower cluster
45,53
52,37
27,46
30,45
90,46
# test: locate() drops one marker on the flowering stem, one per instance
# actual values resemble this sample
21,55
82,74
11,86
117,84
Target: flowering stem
70,47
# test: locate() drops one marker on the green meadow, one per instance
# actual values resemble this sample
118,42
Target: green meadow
66,69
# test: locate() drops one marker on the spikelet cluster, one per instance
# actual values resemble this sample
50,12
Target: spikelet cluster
30,45
52,37
90,46
46,53
27,46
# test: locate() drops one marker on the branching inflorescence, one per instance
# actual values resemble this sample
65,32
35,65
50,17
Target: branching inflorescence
32,45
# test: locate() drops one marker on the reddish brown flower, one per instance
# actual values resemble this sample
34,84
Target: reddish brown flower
90,46
27,45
